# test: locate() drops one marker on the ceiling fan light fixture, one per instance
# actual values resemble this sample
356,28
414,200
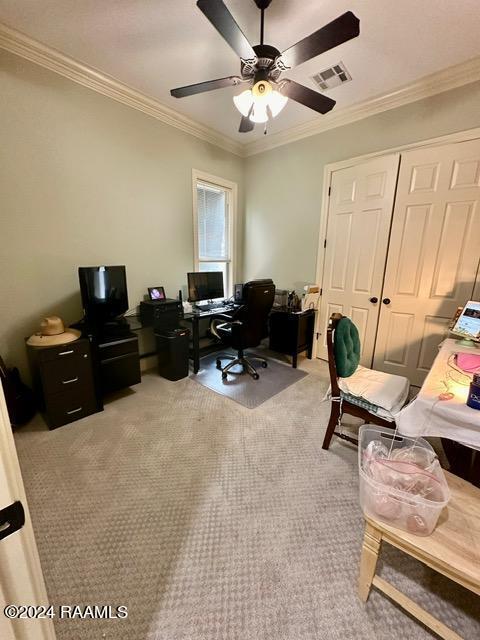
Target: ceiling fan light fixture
261,90
260,109
276,102
244,102
259,113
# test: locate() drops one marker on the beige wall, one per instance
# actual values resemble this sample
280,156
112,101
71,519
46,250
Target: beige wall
85,181
284,185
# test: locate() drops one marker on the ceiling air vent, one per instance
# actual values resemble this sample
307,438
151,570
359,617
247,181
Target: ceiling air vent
332,77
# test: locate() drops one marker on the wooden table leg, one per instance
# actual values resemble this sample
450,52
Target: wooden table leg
368,562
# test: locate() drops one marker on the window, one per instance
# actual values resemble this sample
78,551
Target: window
214,226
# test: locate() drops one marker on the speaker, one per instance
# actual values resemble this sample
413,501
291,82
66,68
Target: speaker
238,293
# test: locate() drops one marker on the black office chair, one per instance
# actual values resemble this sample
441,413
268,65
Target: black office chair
247,327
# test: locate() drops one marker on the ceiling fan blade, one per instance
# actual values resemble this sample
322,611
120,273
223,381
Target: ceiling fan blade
343,28
201,87
246,125
224,23
307,97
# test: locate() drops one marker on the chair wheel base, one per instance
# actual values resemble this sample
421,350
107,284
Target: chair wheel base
240,361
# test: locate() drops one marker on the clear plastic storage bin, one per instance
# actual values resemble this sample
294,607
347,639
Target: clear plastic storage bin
401,480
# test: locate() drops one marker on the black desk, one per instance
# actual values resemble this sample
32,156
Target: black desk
136,326
201,345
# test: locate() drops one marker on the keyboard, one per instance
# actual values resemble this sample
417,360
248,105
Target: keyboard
210,307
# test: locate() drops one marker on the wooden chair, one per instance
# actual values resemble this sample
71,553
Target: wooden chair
345,406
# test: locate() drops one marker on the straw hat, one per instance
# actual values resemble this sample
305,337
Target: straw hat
52,332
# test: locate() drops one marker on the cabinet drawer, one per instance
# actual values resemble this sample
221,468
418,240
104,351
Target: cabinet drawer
63,375
69,406
119,373
118,348
64,351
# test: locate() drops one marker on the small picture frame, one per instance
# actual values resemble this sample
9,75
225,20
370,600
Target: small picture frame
156,293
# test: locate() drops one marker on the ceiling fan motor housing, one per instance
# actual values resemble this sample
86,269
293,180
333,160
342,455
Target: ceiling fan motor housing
264,67
262,4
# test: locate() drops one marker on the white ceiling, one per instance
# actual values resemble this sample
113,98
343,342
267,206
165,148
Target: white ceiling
156,45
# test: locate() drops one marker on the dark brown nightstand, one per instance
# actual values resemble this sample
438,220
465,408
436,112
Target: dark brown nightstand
291,332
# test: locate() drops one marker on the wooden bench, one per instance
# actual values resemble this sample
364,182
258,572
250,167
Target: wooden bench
453,549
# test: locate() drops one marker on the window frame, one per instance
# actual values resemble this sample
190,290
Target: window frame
231,190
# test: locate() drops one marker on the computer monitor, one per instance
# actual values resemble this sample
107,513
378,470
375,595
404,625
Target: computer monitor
468,323
205,285
104,292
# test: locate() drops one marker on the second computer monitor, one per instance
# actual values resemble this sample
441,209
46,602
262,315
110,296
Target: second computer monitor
205,285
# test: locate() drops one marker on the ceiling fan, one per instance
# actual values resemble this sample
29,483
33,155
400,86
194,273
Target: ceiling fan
262,65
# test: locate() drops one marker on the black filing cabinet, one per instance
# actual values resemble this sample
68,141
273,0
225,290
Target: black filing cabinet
119,363
291,332
63,380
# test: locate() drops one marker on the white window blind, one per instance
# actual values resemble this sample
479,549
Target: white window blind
212,216
214,231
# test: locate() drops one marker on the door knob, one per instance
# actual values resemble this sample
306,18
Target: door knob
374,300
386,301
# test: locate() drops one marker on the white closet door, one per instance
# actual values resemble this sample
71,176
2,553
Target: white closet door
359,217
433,255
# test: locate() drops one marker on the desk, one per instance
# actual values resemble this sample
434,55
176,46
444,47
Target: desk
452,550
426,415
201,345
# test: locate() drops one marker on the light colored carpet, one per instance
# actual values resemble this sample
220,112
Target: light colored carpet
212,521
241,387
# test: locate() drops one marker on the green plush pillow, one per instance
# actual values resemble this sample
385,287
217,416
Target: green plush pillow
346,348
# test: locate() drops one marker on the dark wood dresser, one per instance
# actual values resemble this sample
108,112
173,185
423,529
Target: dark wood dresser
63,380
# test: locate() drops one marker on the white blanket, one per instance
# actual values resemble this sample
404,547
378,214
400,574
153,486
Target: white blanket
382,389
427,415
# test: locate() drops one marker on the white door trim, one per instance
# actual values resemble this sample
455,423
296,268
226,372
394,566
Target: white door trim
459,136
21,577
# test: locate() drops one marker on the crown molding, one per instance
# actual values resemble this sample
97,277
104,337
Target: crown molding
426,87
30,49
49,58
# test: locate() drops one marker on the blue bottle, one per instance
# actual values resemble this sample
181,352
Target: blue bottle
473,399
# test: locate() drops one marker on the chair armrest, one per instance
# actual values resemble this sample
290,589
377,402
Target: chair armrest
225,316
234,325
237,312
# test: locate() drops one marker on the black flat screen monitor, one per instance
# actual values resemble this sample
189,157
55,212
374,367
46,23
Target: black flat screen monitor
104,292
205,285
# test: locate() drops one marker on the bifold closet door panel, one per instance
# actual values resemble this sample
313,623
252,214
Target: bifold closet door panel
359,218
433,255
